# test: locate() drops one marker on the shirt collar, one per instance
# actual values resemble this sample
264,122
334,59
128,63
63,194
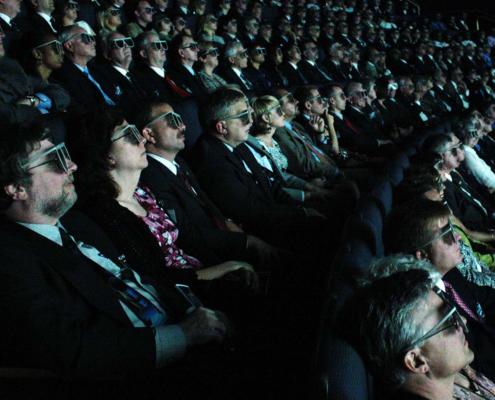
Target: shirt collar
121,70
159,71
237,71
228,147
294,65
172,166
6,18
190,69
50,232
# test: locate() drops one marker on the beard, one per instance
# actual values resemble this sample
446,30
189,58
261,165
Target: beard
57,206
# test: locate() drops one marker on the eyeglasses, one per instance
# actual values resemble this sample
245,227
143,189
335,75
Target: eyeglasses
212,19
289,98
113,12
180,22
122,43
214,52
72,6
318,99
130,133
242,54
312,48
244,116
454,150
277,108
59,155
55,44
341,95
149,10
86,38
451,320
159,45
447,234
172,119
260,50
193,46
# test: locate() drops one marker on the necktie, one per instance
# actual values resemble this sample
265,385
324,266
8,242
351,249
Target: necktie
143,308
187,183
107,99
323,73
245,82
317,154
460,303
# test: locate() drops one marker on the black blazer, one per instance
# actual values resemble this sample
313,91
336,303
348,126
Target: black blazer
186,81
86,98
313,75
12,39
126,93
231,77
153,85
193,214
61,312
295,76
237,192
36,23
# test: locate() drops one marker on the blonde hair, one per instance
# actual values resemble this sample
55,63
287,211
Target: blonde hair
261,106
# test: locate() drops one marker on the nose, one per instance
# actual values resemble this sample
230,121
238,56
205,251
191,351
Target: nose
72,167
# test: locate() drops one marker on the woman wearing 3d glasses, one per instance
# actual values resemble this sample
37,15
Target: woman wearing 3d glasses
110,165
208,60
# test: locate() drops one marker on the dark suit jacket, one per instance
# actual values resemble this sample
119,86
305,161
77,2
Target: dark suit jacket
189,83
231,77
12,39
124,92
61,312
38,24
295,76
154,86
198,233
313,75
239,194
86,98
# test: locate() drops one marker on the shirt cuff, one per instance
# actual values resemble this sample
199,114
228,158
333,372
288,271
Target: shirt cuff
170,344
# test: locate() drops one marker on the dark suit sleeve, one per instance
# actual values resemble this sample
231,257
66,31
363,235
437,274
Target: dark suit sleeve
51,327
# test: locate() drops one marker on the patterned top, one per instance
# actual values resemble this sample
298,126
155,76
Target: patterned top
276,153
481,387
211,82
164,230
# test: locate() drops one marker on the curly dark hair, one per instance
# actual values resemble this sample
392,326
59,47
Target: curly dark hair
89,143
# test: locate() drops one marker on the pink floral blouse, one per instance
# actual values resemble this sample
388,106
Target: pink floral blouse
164,230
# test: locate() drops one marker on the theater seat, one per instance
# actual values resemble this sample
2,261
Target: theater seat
371,219
188,110
355,258
382,193
395,173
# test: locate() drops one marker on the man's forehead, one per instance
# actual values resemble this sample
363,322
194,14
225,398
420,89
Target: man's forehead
161,109
41,147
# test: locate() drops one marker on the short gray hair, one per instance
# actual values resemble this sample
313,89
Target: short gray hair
231,48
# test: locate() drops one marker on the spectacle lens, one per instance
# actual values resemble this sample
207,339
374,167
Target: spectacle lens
55,44
58,156
172,119
114,12
87,39
73,6
159,45
122,43
130,134
261,51
192,46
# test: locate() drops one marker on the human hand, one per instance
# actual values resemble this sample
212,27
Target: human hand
317,123
204,325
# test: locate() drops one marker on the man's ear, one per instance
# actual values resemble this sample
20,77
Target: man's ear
143,53
266,118
307,105
149,135
37,54
221,128
15,191
414,361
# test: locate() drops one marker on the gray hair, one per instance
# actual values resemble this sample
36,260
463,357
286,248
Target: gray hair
385,313
67,33
231,48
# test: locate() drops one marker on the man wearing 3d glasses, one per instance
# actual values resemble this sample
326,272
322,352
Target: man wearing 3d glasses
87,93
413,338
73,304
114,75
205,231
423,230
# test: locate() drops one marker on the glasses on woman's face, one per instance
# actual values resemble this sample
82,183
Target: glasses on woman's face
130,134
260,51
211,20
159,45
277,109
172,119
452,319
113,12
122,43
244,116
57,156
55,45
72,6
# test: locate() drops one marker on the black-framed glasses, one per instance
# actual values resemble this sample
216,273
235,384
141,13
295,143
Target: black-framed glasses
113,12
318,99
452,319
149,10
193,46
55,44
244,116
121,43
58,155
172,119
447,234
130,134
242,54
159,45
